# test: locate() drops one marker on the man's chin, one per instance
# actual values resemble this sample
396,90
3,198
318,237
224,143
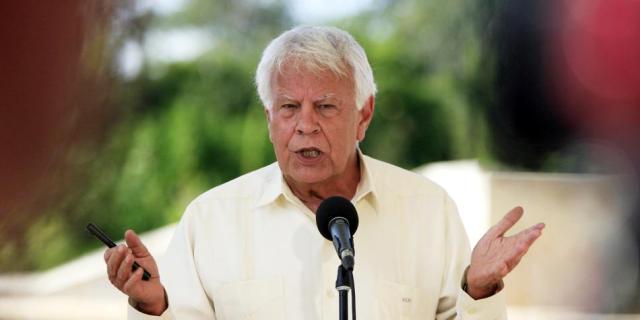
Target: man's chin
308,177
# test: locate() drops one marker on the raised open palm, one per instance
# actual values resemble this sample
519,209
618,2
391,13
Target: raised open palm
496,255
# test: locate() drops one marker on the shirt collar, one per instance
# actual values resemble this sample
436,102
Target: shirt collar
366,185
275,186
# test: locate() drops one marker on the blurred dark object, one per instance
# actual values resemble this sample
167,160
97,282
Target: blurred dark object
51,89
525,124
563,71
39,63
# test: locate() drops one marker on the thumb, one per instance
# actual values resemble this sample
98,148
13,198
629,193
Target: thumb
134,243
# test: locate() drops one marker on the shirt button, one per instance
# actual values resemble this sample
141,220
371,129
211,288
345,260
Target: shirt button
331,293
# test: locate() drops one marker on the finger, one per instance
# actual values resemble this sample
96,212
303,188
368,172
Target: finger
524,241
135,244
507,222
114,262
133,281
523,248
107,254
539,226
124,271
530,235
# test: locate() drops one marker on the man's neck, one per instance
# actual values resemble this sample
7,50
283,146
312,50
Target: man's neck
313,194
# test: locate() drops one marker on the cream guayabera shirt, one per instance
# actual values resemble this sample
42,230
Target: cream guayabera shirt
249,249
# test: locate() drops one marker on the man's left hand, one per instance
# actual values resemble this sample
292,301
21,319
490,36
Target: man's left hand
496,255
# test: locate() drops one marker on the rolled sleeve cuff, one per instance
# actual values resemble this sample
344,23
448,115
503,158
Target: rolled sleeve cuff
490,308
134,314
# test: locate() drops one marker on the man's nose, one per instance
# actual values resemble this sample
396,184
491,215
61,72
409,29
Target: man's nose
307,120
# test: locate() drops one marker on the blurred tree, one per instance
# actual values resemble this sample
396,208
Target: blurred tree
426,59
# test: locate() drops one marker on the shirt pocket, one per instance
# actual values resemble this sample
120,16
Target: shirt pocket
259,299
397,301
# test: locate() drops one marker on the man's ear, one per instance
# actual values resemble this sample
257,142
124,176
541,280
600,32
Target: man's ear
366,115
267,114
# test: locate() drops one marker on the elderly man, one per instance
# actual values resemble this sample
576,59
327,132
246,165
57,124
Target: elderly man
249,249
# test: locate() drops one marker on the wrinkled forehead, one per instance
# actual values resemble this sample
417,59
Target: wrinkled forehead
293,80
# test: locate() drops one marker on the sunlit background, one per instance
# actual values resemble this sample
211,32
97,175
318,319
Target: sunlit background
121,112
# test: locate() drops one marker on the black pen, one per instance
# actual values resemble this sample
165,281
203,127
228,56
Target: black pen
94,230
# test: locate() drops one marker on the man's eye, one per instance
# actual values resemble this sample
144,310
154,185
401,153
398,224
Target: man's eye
288,106
328,110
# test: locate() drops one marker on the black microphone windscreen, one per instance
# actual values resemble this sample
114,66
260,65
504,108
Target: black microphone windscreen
333,207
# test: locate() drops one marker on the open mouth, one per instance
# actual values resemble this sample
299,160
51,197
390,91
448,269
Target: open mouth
309,153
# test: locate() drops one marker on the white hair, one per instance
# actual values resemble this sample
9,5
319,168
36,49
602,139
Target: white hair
316,48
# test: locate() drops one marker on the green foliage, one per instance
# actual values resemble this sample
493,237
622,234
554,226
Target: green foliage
426,62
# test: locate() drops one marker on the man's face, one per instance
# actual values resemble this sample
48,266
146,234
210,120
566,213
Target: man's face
314,124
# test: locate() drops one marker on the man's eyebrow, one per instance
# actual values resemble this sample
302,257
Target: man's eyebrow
326,96
285,96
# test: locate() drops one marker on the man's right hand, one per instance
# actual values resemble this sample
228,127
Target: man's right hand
146,296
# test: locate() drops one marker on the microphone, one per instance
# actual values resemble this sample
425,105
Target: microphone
337,221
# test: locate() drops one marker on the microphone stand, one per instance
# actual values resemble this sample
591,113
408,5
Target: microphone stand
343,285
